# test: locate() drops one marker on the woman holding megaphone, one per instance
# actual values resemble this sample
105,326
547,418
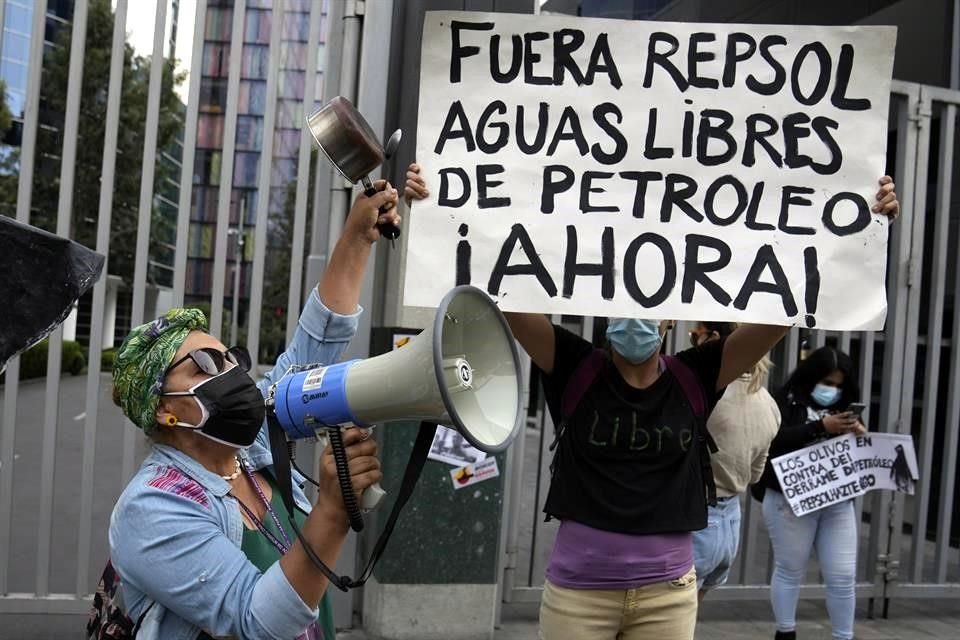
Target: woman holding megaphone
631,474
201,544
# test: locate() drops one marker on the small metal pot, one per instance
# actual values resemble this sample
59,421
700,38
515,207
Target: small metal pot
346,139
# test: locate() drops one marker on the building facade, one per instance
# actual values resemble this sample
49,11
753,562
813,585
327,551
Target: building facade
15,37
250,146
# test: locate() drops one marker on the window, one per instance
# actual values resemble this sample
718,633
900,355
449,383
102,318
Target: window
249,133
278,199
245,169
203,205
216,59
219,24
210,131
323,38
284,171
213,95
199,277
286,143
296,26
52,29
290,114
318,91
253,97
206,168
15,47
14,75
298,5
257,28
293,55
255,62
200,244
17,18
16,100
291,85
247,198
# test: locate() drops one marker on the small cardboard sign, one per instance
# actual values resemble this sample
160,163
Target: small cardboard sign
845,467
474,473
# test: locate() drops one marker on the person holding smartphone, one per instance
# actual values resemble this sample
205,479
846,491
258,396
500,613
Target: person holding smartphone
820,400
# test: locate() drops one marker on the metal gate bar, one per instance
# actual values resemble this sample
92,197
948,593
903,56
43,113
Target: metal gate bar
925,578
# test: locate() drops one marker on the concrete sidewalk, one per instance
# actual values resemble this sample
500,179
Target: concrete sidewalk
719,620
747,620
734,620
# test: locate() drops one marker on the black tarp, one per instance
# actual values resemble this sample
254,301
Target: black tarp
41,276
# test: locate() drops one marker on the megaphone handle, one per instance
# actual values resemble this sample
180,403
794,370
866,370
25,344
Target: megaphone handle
343,475
387,230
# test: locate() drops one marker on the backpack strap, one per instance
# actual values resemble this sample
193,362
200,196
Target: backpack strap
583,376
697,397
692,388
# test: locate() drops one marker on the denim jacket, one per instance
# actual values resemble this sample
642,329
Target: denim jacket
175,532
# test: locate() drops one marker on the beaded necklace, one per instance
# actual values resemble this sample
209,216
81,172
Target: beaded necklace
283,546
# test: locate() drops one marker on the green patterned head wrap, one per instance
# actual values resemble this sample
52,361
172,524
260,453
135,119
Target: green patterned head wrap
143,359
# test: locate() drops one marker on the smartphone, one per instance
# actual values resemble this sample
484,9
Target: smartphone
857,408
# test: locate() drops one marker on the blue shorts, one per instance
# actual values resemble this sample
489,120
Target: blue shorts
715,547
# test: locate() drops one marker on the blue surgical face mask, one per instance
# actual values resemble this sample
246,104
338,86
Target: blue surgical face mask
635,340
825,395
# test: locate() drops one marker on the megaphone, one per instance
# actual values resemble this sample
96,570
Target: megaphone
463,372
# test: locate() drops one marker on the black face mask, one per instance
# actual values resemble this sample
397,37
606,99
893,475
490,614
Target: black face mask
233,409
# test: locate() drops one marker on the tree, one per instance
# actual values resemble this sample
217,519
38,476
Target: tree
9,160
6,118
92,123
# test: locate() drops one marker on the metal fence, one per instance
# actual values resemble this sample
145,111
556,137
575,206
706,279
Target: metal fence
66,451
910,373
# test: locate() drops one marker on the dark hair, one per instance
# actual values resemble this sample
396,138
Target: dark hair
723,329
814,368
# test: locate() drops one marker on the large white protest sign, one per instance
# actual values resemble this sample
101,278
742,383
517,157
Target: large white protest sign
843,468
650,169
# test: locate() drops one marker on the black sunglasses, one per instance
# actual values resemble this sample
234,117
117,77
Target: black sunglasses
213,361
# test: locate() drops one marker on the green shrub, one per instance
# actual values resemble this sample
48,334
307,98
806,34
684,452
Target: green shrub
107,359
73,360
33,361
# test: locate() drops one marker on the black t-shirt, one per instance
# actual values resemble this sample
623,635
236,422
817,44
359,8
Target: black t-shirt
629,461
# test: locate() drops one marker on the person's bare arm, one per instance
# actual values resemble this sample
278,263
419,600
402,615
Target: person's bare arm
744,348
534,332
342,280
750,342
327,525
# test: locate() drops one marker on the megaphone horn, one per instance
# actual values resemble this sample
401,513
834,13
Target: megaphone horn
462,372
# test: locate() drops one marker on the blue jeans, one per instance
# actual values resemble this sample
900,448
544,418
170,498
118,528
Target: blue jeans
833,531
715,547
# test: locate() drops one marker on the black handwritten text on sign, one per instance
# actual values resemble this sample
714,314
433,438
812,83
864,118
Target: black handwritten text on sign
649,169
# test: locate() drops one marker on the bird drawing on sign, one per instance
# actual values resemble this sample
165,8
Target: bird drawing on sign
900,471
